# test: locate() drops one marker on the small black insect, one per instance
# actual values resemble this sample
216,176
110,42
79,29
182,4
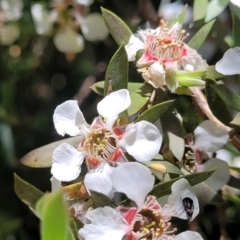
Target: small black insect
188,208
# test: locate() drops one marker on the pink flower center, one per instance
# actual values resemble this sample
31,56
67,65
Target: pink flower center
165,45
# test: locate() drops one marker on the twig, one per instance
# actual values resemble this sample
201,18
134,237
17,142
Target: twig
203,104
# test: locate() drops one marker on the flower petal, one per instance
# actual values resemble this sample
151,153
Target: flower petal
141,140
235,2
220,176
189,235
155,75
181,190
93,27
209,137
67,118
106,224
68,41
113,104
229,64
41,19
99,182
67,162
56,184
133,46
133,179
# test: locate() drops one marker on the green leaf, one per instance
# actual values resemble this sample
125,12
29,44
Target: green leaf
180,18
232,198
235,30
153,113
184,91
190,82
216,104
234,182
213,74
171,82
214,8
199,9
117,71
228,96
235,9
42,157
236,120
176,145
118,29
101,200
98,87
198,39
237,169
139,98
26,192
170,123
164,188
54,217
190,119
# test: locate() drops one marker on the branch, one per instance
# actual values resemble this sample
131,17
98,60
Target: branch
200,99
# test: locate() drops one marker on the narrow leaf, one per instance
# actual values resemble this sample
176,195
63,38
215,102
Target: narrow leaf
153,113
190,82
235,169
216,104
213,74
117,71
118,29
198,39
234,182
139,98
199,9
235,30
176,145
180,18
26,192
42,157
54,217
101,200
228,96
164,188
98,87
214,8
190,119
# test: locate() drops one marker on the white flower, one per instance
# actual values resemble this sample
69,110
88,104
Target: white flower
9,33
101,142
12,9
230,62
85,2
168,11
135,180
235,2
42,19
68,41
164,54
93,27
208,138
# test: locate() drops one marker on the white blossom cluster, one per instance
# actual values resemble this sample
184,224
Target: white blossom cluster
104,148
10,12
70,16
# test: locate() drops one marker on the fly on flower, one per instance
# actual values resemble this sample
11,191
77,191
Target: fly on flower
166,60
188,206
